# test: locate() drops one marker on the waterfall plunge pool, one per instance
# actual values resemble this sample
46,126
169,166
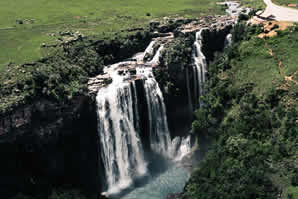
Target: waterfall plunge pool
165,178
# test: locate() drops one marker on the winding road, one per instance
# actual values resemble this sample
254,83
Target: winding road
279,13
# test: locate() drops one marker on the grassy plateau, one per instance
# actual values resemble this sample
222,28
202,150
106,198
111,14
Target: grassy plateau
25,25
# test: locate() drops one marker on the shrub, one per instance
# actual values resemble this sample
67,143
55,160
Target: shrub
294,180
243,17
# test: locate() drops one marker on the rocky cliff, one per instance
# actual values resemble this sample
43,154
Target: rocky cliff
47,144
44,144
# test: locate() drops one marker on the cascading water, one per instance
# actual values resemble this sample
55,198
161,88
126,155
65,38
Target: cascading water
119,124
200,64
148,50
155,59
228,40
181,147
121,147
159,133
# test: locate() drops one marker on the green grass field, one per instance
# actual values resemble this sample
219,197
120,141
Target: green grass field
21,42
256,65
256,4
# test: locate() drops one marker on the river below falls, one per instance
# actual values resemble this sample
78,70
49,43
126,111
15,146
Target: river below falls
159,186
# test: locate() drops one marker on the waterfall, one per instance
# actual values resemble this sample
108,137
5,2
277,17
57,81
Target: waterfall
148,50
190,105
228,40
159,132
195,84
122,152
200,63
181,147
156,57
121,147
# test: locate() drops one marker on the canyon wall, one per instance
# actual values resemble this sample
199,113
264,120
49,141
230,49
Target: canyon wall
47,144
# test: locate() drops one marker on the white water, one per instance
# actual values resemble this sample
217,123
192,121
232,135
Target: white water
155,60
159,132
148,50
228,40
121,147
118,124
200,64
181,147
234,8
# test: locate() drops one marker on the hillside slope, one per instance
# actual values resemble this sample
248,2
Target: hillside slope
250,113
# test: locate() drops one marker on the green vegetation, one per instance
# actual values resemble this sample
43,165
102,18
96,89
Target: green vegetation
25,25
174,60
256,4
65,74
286,2
250,113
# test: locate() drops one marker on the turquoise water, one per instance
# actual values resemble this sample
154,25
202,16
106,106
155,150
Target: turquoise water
170,181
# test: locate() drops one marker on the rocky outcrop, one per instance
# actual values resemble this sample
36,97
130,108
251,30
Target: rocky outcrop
181,100
48,144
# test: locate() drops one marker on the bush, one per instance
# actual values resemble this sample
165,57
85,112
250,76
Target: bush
253,134
294,180
243,17
275,26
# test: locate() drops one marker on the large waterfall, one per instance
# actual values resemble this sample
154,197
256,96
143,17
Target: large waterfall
121,147
119,125
200,66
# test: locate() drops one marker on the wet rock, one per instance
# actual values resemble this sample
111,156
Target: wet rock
132,71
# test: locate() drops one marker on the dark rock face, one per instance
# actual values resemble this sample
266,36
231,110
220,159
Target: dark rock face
179,108
47,144
143,114
214,40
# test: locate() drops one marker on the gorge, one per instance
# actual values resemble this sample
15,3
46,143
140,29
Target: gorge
127,137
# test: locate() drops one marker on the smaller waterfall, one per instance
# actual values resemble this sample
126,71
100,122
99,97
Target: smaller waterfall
200,63
156,57
228,40
195,83
148,50
181,147
159,133
190,104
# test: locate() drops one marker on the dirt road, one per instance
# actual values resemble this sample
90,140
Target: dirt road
280,13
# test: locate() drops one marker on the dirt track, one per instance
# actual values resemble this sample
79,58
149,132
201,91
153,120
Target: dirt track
280,13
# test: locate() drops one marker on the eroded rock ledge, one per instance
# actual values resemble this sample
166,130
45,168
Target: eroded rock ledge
214,25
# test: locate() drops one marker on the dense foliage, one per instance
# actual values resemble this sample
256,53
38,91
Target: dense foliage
175,59
65,74
254,154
